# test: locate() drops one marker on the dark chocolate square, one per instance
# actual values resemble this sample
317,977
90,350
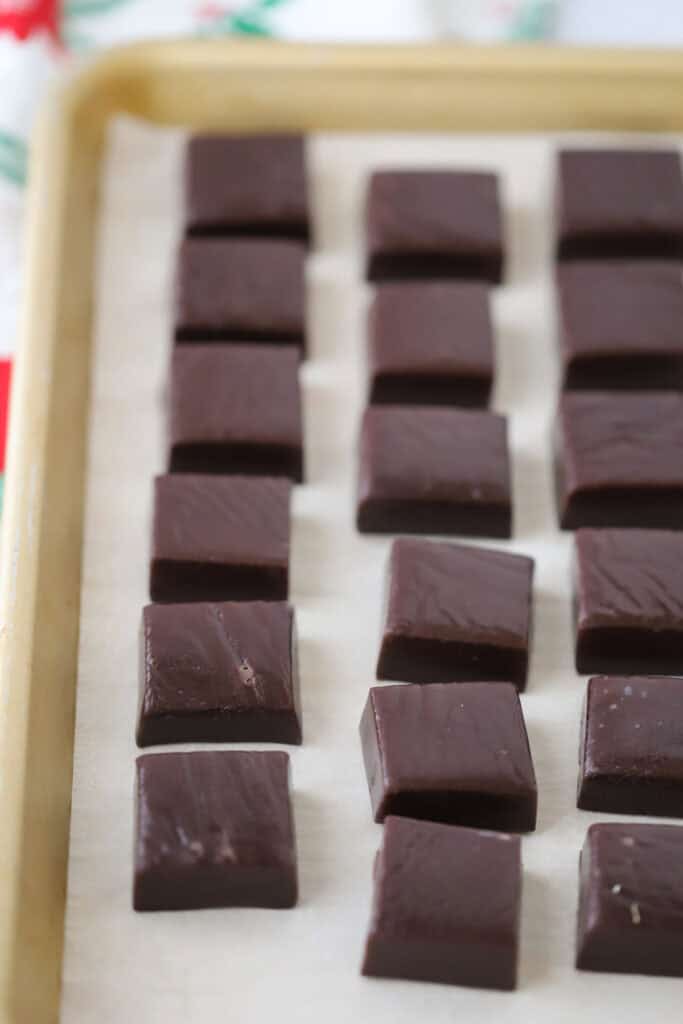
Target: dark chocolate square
629,602
456,614
631,757
240,289
446,906
621,325
218,673
236,409
220,538
431,344
434,470
631,900
619,459
433,224
214,829
456,754
246,185
619,204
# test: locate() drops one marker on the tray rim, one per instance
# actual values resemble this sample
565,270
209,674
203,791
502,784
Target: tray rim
477,89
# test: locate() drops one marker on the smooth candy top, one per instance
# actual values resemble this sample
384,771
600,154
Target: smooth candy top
235,393
621,308
441,883
217,655
469,736
633,877
258,180
451,592
622,440
629,579
434,454
633,728
436,211
248,284
221,520
620,192
213,808
431,328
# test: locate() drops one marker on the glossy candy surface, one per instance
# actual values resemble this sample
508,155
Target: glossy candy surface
456,614
217,673
456,754
446,906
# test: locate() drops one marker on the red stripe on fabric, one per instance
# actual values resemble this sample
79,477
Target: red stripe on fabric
24,18
5,377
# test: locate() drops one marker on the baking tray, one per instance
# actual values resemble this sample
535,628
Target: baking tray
220,85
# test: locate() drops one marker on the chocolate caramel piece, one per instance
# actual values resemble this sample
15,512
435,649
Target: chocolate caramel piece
431,343
456,614
240,289
220,538
429,470
214,829
246,185
621,325
619,204
619,459
629,602
431,224
446,906
236,409
219,673
456,754
631,900
631,751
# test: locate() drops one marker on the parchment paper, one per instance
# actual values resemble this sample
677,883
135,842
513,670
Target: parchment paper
302,965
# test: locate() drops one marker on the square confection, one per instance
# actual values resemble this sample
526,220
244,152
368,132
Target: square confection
631,900
218,673
446,906
431,344
631,758
434,470
236,409
619,204
246,185
619,459
629,602
220,538
240,289
434,224
214,829
621,325
456,754
456,614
